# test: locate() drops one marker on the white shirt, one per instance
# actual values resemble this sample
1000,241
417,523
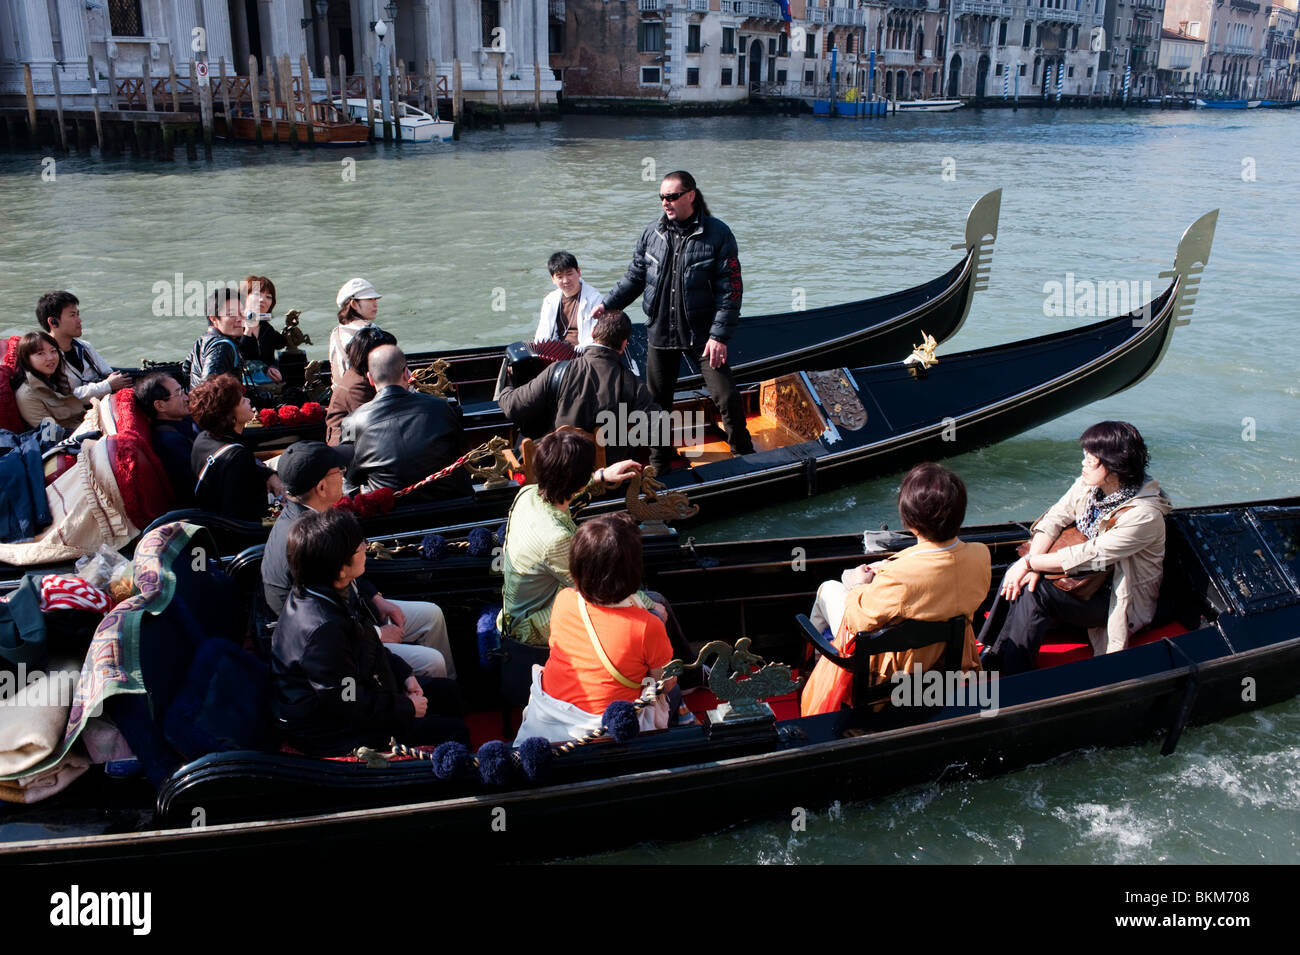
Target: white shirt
588,298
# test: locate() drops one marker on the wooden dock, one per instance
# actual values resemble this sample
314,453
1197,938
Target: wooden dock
150,116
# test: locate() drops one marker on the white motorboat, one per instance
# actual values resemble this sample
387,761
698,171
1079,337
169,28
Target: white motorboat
925,105
415,124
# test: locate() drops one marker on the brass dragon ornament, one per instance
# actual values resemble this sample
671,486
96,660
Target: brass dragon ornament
740,678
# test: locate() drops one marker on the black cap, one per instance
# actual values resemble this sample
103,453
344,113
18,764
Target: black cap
302,466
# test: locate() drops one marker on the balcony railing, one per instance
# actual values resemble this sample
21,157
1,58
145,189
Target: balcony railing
1246,5
698,6
556,8
763,9
900,57
847,16
815,14
989,8
650,6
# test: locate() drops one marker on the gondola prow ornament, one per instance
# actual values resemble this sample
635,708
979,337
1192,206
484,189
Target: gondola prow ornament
740,680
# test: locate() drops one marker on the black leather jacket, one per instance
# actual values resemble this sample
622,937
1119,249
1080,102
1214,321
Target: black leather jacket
711,285
213,354
402,436
336,686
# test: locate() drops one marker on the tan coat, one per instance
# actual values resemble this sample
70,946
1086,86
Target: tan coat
1132,541
921,583
36,401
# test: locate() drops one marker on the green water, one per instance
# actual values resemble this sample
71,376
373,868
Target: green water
456,238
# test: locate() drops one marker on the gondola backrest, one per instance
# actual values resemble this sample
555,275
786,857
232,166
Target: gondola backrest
896,638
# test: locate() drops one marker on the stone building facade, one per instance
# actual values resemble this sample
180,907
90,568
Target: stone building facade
1235,32
480,33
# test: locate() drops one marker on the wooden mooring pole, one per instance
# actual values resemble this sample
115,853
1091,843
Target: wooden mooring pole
94,99
290,101
304,71
271,97
537,94
175,86
148,85
31,101
501,100
225,102
456,103
370,96
58,107
255,94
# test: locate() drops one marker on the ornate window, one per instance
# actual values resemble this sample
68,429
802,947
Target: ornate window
124,18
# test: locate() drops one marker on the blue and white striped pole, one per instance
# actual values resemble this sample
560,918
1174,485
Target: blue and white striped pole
1006,84
1128,79
1060,80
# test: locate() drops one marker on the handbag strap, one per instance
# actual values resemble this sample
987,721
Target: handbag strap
212,458
600,651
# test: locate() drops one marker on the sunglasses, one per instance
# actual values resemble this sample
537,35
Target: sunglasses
673,196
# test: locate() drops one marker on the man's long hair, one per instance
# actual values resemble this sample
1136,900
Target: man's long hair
688,183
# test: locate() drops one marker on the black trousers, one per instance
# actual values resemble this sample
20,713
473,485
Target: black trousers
1033,615
442,721
662,367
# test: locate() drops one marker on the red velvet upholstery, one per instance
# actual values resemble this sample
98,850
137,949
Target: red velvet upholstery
146,491
10,419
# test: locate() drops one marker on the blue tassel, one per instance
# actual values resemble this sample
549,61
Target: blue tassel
433,546
620,719
480,542
450,759
494,762
489,637
535,756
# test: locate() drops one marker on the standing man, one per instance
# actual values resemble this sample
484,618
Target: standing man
687,265
89,375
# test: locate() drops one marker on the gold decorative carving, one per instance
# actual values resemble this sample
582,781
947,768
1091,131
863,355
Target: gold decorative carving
786,401
293,333
433,379
495,472
839,399
654,510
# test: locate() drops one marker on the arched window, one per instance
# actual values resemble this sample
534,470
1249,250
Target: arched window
920,42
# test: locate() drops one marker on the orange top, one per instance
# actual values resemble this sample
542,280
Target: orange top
634,640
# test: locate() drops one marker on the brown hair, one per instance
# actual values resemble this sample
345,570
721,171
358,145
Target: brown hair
605,559
564,460
612,329
932,501
1120,449
213,403
262,282
28,346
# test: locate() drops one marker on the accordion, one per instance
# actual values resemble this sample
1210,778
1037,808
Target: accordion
526,360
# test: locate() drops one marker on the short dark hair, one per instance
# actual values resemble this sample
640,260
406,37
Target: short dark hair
385,366
149,389
561,262
1120,449
605,558
262,282
932,501
213,403
29,345
564,460
321,543
51,305
612,329
363,343
218,299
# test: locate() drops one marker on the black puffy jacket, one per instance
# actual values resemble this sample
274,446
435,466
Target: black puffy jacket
213,354
710,270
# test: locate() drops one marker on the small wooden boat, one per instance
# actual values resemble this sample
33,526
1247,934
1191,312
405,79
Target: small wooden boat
414,124
1228,103
850,333
1229,608
320,123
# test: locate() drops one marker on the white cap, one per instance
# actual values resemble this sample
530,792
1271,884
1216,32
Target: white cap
356,288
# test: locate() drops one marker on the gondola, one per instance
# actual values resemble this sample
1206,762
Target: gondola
764,346
816,431
1229,610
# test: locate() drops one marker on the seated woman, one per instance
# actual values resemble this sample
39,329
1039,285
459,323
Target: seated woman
604,643
228,478
260,340
358,304
1119,512
535,563
336,687
354,389
42,390
164,402
937,578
